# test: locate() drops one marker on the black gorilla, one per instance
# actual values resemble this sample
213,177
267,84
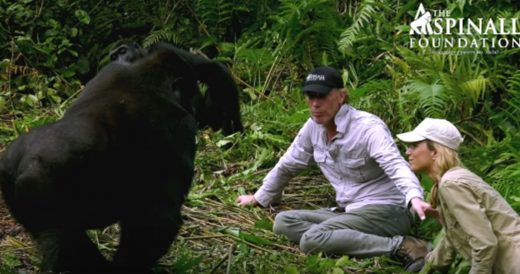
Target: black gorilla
129,52
214,109
123,152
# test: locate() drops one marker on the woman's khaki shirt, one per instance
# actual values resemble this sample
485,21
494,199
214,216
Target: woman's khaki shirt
479,224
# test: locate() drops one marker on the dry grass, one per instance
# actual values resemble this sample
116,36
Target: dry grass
214,231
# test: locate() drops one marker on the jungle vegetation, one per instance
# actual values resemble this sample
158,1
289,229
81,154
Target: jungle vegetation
50,49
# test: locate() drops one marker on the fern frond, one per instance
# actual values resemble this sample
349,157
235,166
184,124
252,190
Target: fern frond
431,97
367,10
475,88
513,83
215,15
372,86
513,102
162,35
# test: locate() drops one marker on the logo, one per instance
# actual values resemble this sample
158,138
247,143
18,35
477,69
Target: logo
315,77
437,29
421,23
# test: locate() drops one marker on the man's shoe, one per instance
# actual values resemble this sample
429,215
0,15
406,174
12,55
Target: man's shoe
411,253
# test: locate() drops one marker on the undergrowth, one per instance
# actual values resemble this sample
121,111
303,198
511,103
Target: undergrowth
219,237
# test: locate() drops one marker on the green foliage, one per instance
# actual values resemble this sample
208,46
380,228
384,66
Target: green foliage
162,35
10,261
363,16
35,32
308,31
186,262
50,49
215,15
246,158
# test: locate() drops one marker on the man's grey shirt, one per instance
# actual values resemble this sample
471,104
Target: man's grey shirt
362,162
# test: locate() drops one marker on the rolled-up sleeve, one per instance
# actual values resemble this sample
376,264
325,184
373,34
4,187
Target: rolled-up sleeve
298,157
384,151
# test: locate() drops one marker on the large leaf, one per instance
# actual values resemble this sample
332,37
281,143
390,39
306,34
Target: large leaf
431,100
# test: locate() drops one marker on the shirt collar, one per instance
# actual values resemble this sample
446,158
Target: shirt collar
341,119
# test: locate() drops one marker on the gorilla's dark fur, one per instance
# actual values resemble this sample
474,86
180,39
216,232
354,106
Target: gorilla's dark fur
217,108
123,152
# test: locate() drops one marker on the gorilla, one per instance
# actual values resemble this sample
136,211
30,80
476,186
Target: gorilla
123,152
213,109
127,53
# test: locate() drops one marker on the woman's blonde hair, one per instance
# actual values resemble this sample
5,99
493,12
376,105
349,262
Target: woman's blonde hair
447,158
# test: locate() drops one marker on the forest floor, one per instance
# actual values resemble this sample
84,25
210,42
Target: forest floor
216,237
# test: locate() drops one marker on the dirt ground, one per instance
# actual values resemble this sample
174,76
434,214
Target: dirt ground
16,247
8,227
204,221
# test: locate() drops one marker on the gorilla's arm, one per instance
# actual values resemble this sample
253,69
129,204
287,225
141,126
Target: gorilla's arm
219,107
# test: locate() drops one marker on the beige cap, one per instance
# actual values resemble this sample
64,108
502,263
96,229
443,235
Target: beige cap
437,130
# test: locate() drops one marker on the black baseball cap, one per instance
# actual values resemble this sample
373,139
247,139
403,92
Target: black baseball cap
322,80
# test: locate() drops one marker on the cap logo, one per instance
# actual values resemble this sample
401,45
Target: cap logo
315,77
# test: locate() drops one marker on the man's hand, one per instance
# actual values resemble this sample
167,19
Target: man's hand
420,206
244,200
